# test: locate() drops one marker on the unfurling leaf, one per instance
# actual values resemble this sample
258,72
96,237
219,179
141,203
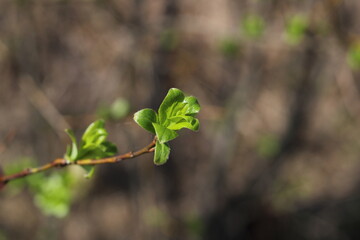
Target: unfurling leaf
177,123
177,111
192,105
94,135
162,152
71,150
173,97
93,145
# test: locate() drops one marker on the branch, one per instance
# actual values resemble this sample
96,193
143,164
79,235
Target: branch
61,162
177,111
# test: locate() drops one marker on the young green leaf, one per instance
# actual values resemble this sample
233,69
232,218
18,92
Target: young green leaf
164,134
89,171
192,105
93,145
173,97
178,111
162,152
95,134
71,150
105,149
179,122
145,118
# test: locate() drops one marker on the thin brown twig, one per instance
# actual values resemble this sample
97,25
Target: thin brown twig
61,162
43,105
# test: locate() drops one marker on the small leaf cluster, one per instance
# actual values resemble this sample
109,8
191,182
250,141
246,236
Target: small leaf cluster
177,111
93,145
53,193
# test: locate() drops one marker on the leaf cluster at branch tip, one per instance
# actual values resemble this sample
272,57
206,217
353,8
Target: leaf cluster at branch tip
177,111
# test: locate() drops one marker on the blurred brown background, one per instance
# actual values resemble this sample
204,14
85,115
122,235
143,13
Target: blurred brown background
277,155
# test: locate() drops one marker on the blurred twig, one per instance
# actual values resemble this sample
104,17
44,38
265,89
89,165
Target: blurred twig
340,20
42,103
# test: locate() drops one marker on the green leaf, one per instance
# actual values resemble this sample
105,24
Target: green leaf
105,149
164,134
179,122
89,171
93,127
71,150
193,106
176,104
173,97
109,148
94,134
93,145
162,152
53,194
145,118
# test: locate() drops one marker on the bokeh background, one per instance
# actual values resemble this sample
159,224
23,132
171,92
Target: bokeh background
277,155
